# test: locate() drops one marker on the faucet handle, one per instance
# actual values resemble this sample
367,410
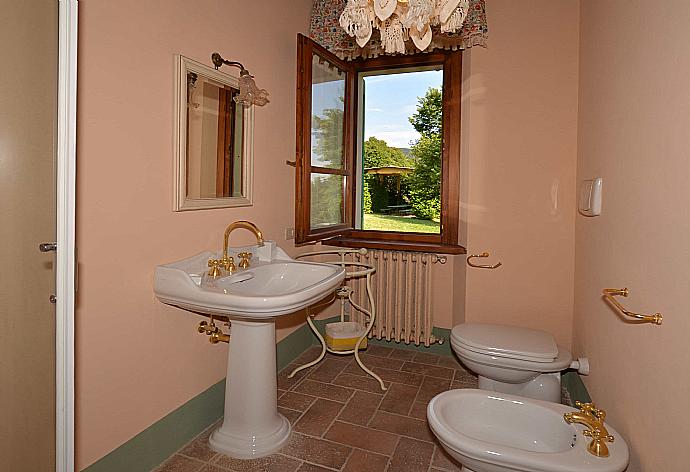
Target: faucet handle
600,414
588,408
214,265
591,409
229,264
244,259
597,446
596,435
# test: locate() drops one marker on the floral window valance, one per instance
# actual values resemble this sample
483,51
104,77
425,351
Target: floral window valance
325,29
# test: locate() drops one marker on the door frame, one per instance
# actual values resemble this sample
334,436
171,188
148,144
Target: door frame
65,273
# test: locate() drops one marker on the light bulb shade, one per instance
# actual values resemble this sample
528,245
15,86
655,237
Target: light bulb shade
250,94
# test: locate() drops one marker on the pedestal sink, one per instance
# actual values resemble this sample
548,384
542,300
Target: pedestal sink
252,299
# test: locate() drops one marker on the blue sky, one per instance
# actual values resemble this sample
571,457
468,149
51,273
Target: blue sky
390,100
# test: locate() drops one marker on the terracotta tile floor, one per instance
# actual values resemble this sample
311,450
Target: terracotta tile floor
342,421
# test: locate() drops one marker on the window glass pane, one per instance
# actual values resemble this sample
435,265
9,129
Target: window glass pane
401,152
327,197
328,109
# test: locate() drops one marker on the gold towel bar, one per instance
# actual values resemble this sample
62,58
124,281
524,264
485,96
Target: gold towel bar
609,293
481,266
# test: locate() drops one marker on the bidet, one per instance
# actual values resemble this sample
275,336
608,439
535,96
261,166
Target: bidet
497,432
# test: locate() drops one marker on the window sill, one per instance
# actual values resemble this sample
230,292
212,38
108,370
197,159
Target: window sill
437,248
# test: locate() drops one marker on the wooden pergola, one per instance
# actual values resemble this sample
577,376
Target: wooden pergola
389,170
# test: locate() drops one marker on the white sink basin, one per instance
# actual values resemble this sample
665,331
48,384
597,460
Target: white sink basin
252,299
264,290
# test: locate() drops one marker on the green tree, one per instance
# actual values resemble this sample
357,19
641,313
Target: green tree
425,181
377,153
421,189
428,120
326,200
327,131
327,151
366,197
382,191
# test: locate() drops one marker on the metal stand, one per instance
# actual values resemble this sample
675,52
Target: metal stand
345,293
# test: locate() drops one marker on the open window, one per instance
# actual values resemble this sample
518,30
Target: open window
378,147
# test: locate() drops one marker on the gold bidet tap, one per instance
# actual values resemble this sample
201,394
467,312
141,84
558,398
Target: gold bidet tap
227,262
593,419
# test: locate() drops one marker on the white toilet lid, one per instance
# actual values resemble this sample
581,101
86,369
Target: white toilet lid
507,341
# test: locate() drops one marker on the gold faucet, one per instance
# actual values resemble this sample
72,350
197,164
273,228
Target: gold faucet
227,262
241,224
593,419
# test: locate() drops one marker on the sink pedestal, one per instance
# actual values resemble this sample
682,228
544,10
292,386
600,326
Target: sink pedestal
252,426
252,298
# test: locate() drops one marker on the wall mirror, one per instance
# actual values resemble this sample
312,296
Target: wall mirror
214,140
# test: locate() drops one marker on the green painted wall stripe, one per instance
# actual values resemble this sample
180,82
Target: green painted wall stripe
148,449
576,388
152,446
293,345
160,440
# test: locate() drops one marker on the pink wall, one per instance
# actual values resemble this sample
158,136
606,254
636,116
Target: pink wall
633,132
519,164
137,359
518,172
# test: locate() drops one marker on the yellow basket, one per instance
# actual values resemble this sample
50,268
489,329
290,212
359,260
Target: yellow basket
343,335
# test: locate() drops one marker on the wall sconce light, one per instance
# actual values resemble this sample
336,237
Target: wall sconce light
249,92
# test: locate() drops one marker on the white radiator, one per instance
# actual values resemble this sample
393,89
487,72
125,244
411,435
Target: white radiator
402,291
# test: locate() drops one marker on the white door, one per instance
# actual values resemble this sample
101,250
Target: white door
33,185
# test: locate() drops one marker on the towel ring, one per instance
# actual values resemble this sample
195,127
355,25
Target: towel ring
482,266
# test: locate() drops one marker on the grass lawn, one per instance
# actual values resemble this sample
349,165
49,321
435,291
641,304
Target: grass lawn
400,223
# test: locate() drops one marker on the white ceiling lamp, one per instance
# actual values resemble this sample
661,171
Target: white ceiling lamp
398,20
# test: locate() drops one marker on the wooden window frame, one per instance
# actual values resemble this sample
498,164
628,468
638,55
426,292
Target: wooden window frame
345,234
303,232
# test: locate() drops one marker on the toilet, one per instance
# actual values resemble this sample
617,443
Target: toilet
510,359
497,432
